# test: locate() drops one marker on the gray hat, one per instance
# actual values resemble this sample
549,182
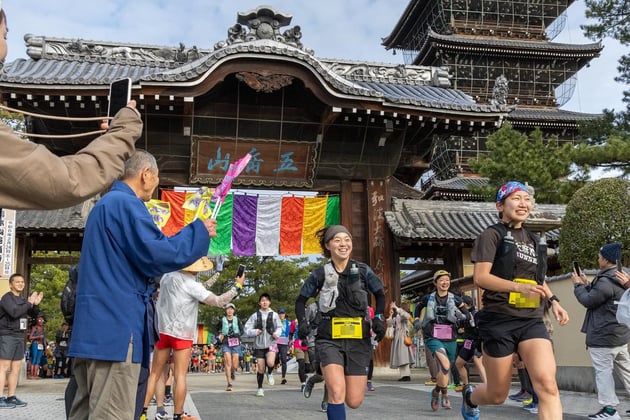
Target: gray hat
229,305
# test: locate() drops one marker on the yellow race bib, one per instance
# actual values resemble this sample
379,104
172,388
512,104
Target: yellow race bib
521,301
347,328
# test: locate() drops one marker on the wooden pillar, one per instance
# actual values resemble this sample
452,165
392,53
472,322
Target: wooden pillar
380,251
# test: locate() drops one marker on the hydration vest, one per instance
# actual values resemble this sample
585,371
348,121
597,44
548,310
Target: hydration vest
504,264
453,314
225,327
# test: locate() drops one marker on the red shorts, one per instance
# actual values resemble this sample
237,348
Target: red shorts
169,342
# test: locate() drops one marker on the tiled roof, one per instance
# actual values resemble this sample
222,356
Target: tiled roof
429,97
508,46
71,218
427,220
68,63
459,183
547,114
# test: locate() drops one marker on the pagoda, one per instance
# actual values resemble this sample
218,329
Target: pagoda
498,52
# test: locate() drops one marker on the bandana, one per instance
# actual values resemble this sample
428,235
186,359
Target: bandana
509,188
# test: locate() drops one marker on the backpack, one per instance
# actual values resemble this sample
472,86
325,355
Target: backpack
68,296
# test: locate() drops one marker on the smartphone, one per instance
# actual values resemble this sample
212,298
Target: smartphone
119,96
619,266
576,267
240,271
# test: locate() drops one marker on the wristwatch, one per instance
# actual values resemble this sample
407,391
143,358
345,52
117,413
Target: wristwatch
379,316
554,297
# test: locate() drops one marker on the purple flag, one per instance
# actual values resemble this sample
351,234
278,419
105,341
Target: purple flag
244,224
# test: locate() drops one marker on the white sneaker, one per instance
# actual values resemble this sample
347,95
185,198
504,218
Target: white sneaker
270,379
606,413
260,392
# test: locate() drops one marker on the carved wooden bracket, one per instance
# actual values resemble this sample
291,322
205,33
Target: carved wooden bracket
264,83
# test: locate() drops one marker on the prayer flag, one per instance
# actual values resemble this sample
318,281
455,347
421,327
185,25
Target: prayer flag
268,225
291,220
244,224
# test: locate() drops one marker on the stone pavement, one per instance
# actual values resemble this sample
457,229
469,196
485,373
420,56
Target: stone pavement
207,399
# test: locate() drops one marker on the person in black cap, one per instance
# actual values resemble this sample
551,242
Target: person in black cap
606,338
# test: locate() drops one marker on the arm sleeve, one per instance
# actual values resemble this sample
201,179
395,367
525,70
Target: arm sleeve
61,182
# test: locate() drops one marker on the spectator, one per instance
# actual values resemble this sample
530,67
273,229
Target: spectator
343,342
606,339
122,251
510,264
265,325
230,329
66,180
177,310
37,337
13,312
401,355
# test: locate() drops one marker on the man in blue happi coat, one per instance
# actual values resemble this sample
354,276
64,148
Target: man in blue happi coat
122,250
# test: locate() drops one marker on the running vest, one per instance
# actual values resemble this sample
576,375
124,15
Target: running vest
270,324
453,314
504,264
226,327
348,297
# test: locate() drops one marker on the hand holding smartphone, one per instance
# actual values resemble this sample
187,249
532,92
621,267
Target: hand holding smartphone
576,267
240,271
119,96
619,266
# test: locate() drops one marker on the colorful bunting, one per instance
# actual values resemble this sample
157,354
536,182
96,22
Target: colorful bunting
251,224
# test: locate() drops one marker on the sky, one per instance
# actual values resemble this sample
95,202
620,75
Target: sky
341,29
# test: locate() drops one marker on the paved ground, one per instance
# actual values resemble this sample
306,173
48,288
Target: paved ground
208,400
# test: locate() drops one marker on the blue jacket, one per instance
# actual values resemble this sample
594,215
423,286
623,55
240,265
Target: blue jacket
122,250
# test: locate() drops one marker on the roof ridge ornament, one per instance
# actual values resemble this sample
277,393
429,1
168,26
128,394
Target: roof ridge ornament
263,23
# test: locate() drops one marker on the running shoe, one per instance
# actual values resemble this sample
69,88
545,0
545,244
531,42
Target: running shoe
283,382
15,401
459,387
430,382
446,404
308,387
528,401
4,404
168,400
260,392
608,413
468,412
518,395
162,415
435,399
324,406
532,408
229,387
270,379
370,387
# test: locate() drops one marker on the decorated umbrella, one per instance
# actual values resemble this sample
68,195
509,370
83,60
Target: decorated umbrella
160,211
221,191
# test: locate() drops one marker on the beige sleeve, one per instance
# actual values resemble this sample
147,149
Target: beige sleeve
32,177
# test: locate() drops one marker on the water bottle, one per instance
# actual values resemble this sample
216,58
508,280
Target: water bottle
354,274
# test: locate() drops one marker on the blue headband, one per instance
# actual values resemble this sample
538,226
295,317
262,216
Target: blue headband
509,188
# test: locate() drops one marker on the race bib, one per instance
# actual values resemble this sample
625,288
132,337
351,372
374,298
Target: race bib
347,328
22,323
521,301
233,341
468,344
40,346
443,332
